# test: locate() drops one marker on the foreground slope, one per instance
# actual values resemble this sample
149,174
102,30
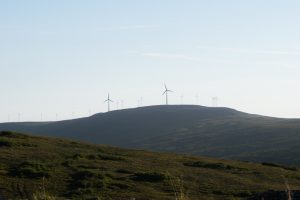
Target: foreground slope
197,130
71,170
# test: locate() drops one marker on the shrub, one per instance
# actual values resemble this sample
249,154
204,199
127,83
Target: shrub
92,157
103,156
5,143
30,170
245,193
10,134
213,165
6,133
88,179
84,174
124,171
280,166
67,163
149,176
120,186
77,156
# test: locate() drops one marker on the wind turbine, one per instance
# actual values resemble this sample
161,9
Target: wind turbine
108,100
215,101
181,99
197,99
140,102
122,103
166,92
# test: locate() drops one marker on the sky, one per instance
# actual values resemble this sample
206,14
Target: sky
59,59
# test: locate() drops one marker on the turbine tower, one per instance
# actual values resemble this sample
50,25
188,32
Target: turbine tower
122,103
181,99
215,101
166,93
197,99
108,100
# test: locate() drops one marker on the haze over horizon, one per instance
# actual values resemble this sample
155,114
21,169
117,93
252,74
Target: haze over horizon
63,57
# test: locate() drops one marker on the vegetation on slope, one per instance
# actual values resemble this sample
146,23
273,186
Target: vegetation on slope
196,130
32,167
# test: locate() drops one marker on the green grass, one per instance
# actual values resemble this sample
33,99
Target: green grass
44,168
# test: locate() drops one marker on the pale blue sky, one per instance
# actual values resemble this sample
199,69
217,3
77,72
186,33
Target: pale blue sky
64,56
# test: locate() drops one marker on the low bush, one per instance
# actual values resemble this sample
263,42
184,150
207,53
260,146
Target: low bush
5,143
10,134
88,179
30,170
103,156
92,157
124,171
212,165
280,166
77,156
120,186
150,176
6,134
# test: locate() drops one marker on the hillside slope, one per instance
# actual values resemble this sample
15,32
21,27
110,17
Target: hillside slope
33,166
197,130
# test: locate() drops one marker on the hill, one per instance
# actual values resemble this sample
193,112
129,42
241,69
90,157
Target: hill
197,130
39,166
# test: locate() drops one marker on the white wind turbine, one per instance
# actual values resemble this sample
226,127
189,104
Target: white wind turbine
108,100
166,93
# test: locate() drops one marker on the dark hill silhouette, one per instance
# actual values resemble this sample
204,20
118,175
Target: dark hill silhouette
197,130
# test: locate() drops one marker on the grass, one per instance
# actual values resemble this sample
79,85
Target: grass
43,168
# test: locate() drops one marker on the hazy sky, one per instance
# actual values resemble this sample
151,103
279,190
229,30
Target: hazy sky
64,56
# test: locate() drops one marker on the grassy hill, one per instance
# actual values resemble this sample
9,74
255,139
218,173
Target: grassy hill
38,166
197,130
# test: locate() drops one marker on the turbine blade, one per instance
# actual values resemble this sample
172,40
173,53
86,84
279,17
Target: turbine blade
164,92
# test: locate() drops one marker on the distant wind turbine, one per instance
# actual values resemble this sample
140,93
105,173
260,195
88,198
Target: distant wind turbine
215,101
122,103
181,99
197,99
140,102
108,100
166,93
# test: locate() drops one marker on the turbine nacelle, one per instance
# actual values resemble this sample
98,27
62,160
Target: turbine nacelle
166,90
108,99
